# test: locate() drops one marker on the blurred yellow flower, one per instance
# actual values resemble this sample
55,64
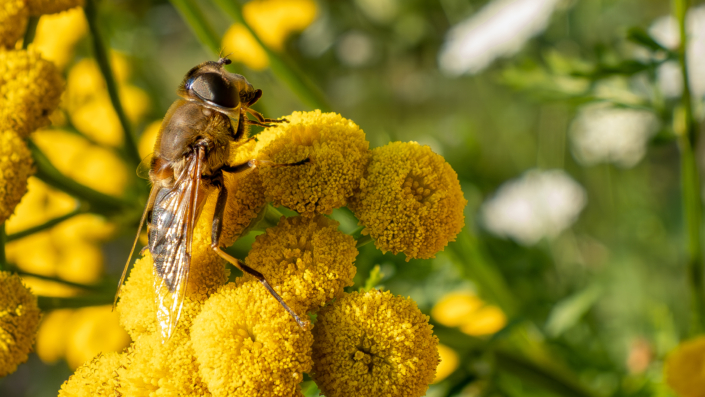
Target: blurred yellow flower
448,364
19,318
470,313
247,344
96,378
684,369
274,20
57,35
53,334
98,120
41,287
242,47
30,89
39,7
373,344
38,205
306,260
16,166
13,22
339,154
410,200
149,138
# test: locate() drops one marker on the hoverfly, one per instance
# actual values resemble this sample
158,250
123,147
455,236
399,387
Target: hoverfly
190,156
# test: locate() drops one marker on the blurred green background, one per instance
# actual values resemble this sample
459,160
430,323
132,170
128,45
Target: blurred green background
590,267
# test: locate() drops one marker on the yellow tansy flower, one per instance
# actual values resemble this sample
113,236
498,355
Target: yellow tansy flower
373,344
39,7
275,20
57,34
15,168
306,260
338,151
485,321
245,201
684,369
410,200
30,88
52,335
455,308
13,22
96,378
19,318
242,47
247,344
448,364
94,330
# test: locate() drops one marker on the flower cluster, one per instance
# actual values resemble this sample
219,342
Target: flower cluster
470,313
19,317
234,338
684,370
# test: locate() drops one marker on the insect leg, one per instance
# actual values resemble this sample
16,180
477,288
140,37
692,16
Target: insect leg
241,126
215,245
254,163
262,119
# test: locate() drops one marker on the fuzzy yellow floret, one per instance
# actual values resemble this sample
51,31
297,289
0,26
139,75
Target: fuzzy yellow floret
338,152
16,166
39,7
306,260
684,370
245,201
58,34
13,22
410,200
374,344
19,318
30,88
248,345
95,378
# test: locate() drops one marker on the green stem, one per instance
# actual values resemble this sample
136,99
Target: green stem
690,178
30,32
44,226
99,202
103,59
357,233
47,303
3,240
363,241
198,24
97,288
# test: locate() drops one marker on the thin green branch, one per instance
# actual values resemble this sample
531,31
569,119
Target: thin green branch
30,32
690,179
47,303
97,288
44,226
198,24
98,202
103,59
363,241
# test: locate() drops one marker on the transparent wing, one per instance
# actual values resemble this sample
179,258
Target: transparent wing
173,219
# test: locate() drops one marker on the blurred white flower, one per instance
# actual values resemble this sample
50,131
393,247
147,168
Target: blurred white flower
601,133
665,31
499,29
536,205
355,49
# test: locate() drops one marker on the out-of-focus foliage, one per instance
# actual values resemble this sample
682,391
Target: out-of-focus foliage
570,275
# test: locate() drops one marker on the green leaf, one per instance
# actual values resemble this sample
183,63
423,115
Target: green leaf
567,312
641,37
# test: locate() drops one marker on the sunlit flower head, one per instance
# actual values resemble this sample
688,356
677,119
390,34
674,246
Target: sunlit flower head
15,168
247,344
13,22
608,134
684,370
410,200
306,260
19,318
57,34
338,151
538,204
499,29
39,7
99,377
373,344
448,364
245,201
242,47
94,330
275,20
30,88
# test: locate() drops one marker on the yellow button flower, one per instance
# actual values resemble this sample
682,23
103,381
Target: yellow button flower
455,308
94,330
448,364
19,318
53,334
306,260
485,321
242,47
96,378
15,168
248,345
275,20
374,344
30,88
13,22
684,369
57,35
410,200
245,201
39,7
338,151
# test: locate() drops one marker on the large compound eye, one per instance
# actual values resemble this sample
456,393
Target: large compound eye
213,88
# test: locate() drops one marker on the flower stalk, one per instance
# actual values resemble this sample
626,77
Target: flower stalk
44,226
690,178
3,240
103,60
30,32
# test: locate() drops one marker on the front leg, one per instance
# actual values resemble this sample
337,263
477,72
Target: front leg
254,163
217,229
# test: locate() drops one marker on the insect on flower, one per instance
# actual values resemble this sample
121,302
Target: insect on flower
190,155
